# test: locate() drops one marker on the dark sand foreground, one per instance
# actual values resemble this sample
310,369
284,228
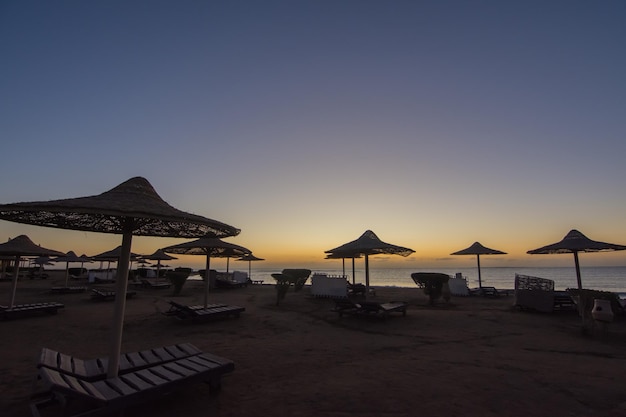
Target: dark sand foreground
476,357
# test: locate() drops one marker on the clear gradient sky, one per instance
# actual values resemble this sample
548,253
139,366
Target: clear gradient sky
304,123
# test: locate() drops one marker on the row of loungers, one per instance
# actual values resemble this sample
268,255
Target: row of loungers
27,310
143,376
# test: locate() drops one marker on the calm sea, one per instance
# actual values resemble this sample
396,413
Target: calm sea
606,278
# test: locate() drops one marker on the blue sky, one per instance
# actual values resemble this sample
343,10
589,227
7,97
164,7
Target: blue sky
304,123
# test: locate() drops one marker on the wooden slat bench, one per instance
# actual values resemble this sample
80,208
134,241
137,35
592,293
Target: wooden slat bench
27,310
109,395
94,369
201,313
99,294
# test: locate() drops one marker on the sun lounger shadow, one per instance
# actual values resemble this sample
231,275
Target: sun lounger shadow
108,395
369,308
28,310
197,313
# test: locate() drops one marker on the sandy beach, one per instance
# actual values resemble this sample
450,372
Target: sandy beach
474,357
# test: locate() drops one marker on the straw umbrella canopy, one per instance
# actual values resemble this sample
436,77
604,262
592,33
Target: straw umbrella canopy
478,249
250,258
575,242
22,246
113,255
368,244
67,258
132,208
159,256
210,247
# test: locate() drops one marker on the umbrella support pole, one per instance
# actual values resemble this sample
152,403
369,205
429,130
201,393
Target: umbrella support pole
120,305
480,281
207,280
16,273
367,275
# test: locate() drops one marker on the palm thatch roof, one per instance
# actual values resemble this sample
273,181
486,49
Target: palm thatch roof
132,206
368,244
477,249
211,246
575,241
23,246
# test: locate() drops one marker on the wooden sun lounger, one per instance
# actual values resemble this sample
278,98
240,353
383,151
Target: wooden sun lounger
106,396
369,308
155,285
99,294
95,369
490,292
27,310
359,289
177,309
200,313
346,306
67,290
229,284
384,308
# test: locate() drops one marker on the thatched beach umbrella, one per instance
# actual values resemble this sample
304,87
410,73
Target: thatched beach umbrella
18,247
575,242
84,259
368,244
113,255
40,261
478,249
67,258
159,256
131,208
250,258
210,247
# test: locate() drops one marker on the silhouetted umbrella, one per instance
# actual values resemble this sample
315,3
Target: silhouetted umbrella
67,258
575,242
42,260
478,249
131,208
369,244
113,255
84,259
210,247
250,258
22,246
159,256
